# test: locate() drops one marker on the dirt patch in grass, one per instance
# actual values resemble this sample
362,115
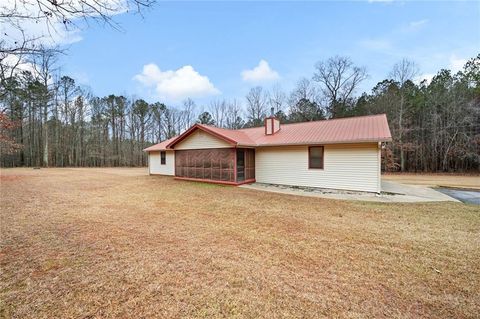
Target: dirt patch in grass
119,243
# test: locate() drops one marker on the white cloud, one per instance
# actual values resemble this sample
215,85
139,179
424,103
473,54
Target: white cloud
19,65
42,32
15,65
52,31
456,63
56,35
261,73
453,63
415,25
178,84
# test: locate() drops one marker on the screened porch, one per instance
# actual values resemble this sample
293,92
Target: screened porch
222,165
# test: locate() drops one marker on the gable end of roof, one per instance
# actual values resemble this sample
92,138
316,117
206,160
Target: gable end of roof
203,128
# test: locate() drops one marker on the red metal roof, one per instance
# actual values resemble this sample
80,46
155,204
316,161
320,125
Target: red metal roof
372,128
160,146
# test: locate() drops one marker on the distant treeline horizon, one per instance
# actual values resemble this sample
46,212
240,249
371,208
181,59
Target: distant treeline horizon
49,120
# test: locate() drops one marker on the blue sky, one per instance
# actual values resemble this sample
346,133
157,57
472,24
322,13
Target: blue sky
200,49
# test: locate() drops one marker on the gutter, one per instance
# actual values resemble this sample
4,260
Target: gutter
318,143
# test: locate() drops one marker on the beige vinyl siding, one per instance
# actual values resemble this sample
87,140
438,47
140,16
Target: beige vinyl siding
201,140
346,166
156,168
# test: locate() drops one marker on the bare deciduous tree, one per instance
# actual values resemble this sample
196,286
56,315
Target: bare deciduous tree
304,90
189,113
338,78
257,99
277,99
436,130
218,110
54,17
45,64
403,71
234,118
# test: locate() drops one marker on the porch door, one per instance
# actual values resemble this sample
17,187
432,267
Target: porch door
240,165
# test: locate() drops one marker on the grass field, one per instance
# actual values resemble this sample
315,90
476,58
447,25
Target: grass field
116,243
447,180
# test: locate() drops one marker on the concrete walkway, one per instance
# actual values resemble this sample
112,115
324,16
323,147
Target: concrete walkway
394,193
417,193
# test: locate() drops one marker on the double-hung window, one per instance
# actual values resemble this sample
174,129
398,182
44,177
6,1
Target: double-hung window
315,157
163,158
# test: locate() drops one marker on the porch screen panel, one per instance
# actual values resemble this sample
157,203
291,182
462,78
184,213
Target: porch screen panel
212,164
249,163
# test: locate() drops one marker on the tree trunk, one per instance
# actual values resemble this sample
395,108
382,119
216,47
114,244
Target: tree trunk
400,134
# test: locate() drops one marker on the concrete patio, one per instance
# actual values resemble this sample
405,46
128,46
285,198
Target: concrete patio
392,192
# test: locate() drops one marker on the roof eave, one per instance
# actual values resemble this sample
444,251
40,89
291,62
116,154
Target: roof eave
185,134
158,150
328,142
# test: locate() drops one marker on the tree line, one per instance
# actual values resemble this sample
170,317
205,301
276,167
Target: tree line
47,119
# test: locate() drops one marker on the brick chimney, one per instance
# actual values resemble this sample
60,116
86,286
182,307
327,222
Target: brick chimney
272,124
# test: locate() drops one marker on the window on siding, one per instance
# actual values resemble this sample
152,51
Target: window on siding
315,157
163,158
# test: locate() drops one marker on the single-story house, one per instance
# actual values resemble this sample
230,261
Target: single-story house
339,154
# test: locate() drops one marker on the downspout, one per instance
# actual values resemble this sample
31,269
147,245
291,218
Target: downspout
379,171
235,164
149,173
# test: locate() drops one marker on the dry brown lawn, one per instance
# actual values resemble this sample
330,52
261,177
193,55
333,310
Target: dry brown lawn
116,243
449,180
